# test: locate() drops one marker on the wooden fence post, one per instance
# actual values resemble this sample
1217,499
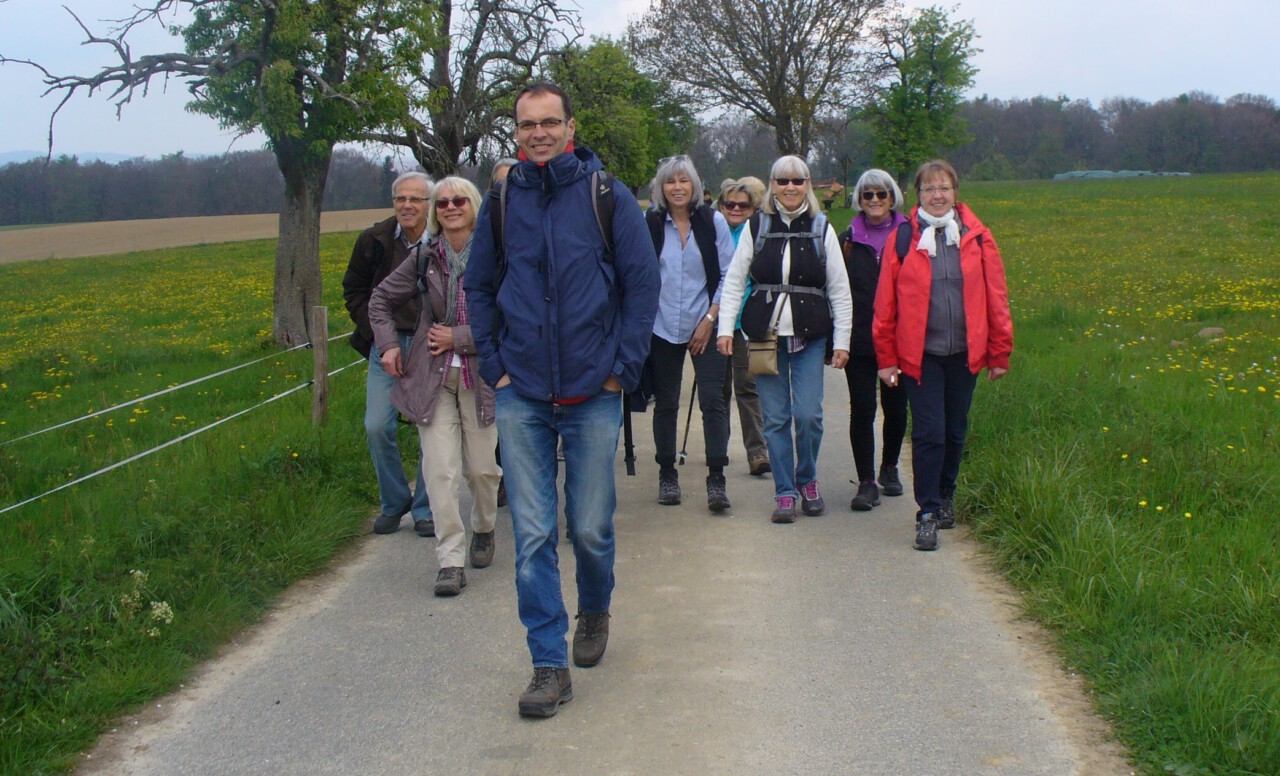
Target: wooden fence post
319,329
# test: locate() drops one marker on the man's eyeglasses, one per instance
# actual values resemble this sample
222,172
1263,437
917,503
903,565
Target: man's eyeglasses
736,205
529,126
936,190
444,202
870,195
402,200
790,181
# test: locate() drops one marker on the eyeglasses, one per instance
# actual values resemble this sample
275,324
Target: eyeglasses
408,200
445,202
676,158
790,181
736,205
870,195
529,126
936,190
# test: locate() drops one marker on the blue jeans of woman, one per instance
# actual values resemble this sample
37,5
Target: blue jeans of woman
793,397
528,430
380,426
940,402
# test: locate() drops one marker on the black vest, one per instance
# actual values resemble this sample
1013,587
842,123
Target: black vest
810,311
703,225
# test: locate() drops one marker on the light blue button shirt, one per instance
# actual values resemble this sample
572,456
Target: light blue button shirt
683,303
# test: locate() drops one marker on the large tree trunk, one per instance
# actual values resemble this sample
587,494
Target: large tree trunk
297,283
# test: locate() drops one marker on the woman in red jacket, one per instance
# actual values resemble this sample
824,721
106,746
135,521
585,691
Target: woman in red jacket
942,314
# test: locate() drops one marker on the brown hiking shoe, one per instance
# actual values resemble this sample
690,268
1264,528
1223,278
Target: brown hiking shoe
590,638
450,581
481,550
549,688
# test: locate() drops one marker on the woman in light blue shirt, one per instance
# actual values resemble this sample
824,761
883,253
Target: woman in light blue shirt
694,250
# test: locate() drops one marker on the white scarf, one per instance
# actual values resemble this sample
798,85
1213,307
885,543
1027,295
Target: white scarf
929,237
791,214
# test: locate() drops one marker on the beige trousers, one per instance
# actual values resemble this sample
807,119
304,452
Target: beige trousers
453,443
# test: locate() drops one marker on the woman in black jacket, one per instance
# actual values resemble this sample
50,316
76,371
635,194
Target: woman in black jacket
877,199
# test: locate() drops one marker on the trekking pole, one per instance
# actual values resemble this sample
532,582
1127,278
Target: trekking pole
688,421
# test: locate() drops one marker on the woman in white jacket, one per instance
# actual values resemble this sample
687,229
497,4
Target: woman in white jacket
800,291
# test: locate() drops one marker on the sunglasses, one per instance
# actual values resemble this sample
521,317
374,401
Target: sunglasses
790,181
457,202
736,205
870,195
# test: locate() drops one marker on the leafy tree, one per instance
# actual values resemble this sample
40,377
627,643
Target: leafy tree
629,120
926,57
783,62
308,73
487,51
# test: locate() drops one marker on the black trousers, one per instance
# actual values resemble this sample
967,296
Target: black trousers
667,360
939,424
861,375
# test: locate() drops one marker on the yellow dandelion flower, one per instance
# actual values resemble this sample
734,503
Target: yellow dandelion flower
1159,508
1142,503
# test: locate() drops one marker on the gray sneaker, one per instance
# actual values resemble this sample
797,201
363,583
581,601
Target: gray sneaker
450,581
717,498
481,550
549,688
668,487
947,513
590,638
926,532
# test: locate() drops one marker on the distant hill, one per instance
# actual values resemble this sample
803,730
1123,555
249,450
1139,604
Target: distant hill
14,157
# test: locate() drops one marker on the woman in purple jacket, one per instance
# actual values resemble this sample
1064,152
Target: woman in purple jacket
877,199
438,382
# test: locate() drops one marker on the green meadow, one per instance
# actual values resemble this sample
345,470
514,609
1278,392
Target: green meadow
1124,476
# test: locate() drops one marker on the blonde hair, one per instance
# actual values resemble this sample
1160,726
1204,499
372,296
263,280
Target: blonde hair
462,188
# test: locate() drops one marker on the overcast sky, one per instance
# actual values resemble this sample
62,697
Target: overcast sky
1150,49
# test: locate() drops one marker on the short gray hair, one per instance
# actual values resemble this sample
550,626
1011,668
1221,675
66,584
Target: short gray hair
792,167
502,164
669,168
411,176
877,180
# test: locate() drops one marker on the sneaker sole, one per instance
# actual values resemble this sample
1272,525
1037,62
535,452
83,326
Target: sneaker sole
925,547
481,563
546,710
717,506
587,663
814,511
669,502
885,490
383,530
782,519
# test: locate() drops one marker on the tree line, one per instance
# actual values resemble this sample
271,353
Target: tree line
66,190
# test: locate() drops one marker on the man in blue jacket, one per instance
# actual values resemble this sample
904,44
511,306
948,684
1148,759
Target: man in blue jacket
561,330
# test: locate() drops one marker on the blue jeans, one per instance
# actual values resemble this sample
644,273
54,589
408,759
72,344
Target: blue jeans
793,396
528,430
939,424
380,425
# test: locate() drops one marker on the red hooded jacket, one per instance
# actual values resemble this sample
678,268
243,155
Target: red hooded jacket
902,300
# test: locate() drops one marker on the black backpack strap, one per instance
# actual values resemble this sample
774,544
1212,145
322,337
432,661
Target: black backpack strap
421,271
902,241
497,221
656,219
703,223
602,205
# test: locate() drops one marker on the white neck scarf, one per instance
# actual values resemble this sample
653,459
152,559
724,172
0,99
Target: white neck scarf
929,237
791,214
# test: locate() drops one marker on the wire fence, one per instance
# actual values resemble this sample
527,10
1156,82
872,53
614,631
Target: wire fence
176,440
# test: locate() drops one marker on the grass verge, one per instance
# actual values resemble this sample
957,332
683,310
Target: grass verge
112,590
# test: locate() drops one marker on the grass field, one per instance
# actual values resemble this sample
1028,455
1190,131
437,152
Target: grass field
1124,476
